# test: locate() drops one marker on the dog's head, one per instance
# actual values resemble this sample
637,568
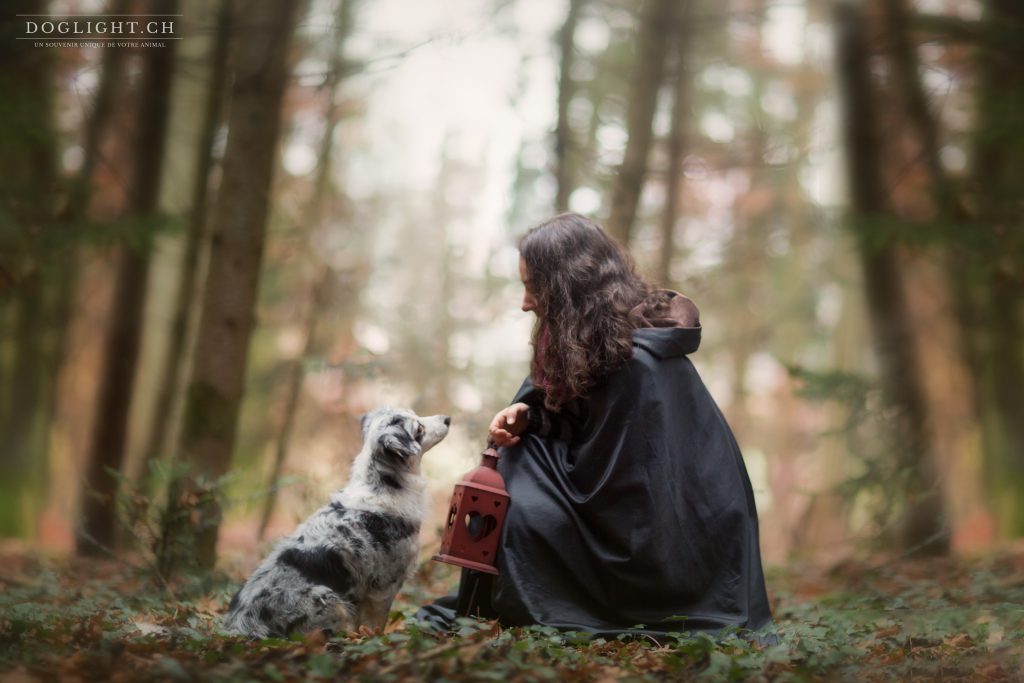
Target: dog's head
400,437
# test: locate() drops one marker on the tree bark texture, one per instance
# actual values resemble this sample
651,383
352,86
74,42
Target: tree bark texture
903,54
564,149
175,359
238,227
111,72
60,408
75,211
106,454
953,388
28,173
997,169
656,28
923,524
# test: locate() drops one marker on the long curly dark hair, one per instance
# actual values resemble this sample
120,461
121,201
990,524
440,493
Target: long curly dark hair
585,287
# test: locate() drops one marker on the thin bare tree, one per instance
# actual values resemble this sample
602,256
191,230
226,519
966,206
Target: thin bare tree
657,24
314,216
564,149
214,391
682,80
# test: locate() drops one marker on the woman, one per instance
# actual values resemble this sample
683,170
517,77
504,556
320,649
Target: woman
630,506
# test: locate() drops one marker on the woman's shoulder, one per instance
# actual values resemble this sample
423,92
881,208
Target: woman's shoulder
666,342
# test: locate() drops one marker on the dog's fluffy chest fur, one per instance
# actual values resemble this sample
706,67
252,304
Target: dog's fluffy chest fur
343,566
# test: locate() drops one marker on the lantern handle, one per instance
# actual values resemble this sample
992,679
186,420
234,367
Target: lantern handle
490,455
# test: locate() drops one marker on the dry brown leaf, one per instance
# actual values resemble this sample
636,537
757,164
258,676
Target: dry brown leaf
19,675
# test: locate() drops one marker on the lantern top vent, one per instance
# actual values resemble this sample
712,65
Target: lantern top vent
486,474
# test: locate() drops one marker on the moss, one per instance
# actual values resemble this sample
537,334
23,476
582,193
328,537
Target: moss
208,413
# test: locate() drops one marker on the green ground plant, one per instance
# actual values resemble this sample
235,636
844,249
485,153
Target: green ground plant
923,620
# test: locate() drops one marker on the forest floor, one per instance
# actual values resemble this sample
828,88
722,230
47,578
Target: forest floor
949,619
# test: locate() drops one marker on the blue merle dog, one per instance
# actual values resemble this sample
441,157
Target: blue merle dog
342,567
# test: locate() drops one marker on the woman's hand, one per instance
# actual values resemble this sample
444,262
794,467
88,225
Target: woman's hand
508,425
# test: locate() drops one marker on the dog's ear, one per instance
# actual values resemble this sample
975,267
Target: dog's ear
366,421
400,444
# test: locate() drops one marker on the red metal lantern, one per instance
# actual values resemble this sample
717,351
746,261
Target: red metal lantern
475,517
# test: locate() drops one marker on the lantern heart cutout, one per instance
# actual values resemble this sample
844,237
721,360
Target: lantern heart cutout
480,525
474,498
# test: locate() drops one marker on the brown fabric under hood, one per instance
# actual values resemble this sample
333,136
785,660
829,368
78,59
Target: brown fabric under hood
665,308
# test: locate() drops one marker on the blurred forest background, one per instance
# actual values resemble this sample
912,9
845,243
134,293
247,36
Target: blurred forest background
216,255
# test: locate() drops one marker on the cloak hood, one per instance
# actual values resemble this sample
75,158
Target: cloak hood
668,324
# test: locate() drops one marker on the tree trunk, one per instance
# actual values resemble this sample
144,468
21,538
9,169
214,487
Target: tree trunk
923,530
27,177
657,24
293,389
564,150
73,219
76,208
62,419
97,532
111,72
955,435
998,174
322,280
676,144
906,63
175,358
214,392
434,386
946,28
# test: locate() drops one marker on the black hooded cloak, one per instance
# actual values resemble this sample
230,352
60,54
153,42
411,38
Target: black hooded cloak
643,518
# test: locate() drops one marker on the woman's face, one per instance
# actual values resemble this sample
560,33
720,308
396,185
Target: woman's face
529,299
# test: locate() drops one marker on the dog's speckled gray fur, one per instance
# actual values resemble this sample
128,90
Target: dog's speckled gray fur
342,567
